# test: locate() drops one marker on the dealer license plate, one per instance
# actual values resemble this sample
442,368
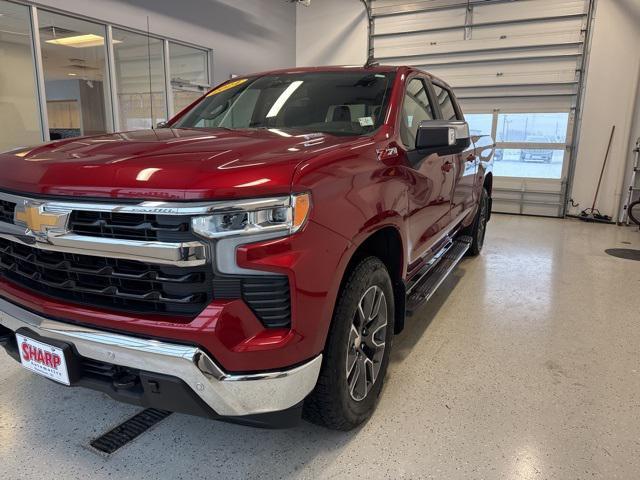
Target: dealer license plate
43,359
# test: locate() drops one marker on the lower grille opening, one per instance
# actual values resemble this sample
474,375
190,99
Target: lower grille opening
268,296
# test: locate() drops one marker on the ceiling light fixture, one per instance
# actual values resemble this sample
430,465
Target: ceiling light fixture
80,41
72,74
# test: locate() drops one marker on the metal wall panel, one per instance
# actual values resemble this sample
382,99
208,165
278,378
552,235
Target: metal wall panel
516,56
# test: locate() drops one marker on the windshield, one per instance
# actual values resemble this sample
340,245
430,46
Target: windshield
339,103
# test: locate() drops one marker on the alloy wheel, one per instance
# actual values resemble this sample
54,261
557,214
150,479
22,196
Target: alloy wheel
366,346
482,222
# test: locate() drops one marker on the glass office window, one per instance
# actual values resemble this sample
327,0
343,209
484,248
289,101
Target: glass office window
19,110
76,82
139,62
189,69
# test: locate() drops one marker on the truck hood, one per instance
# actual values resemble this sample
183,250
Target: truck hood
178,164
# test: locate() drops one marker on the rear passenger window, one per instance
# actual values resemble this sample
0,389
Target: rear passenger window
446,103
415,109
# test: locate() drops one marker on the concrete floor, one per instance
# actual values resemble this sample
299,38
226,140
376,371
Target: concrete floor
525,365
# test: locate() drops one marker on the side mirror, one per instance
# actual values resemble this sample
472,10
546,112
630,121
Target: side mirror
161,125
445,137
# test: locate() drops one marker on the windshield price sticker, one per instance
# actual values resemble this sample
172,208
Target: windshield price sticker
227,86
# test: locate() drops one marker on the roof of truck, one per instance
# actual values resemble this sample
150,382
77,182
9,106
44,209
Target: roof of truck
334,68
354,68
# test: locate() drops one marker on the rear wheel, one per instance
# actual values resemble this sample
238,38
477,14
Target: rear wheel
634,212
478,228
357,352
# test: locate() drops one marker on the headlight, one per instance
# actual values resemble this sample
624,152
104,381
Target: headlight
250,217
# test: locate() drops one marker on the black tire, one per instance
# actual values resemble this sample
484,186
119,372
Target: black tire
478,228
634,212
332,403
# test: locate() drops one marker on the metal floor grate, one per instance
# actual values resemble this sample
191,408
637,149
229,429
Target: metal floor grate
129,430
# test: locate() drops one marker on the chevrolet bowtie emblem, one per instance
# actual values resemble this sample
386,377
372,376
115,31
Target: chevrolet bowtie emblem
38,221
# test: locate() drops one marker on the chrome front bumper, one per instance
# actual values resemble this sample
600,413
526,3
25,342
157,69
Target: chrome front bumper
226,394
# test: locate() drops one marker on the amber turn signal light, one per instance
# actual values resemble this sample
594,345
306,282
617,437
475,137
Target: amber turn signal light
301,208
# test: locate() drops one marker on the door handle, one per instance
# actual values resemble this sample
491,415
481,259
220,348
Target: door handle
447,166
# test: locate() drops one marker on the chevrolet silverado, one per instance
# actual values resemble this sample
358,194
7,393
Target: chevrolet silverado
252,258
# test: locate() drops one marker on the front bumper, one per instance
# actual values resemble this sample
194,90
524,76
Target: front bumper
227,395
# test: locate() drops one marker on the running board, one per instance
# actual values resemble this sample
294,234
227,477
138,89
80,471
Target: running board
428,285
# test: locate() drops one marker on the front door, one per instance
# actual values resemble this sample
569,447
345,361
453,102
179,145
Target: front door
432,178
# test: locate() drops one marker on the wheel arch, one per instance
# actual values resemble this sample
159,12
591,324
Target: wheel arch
385,244
488,186
488,183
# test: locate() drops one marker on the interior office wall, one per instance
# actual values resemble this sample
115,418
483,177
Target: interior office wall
610,99
331,32
19,118
245,35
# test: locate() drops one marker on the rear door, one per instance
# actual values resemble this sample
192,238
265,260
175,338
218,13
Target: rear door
464,165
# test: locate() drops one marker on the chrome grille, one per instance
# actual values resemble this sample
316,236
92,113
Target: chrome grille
118,284
131,226
176,277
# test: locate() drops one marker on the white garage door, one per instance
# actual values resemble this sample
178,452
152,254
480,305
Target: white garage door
516,66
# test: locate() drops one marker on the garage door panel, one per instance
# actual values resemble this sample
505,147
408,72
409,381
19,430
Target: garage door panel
528,196
527,10
569,28
470,59
511,66
501,57
403,49
390,7
497,74
560,79
420,40
420,21
516,104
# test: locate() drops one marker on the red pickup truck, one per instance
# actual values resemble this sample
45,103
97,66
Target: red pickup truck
251,259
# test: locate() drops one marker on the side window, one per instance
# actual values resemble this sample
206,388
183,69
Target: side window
446,103
415,109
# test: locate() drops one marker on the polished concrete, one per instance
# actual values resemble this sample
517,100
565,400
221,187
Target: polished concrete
525,365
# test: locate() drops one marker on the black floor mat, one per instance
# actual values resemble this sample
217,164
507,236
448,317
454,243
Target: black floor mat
626,253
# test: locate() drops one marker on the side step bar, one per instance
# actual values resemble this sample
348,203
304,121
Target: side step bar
428,285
